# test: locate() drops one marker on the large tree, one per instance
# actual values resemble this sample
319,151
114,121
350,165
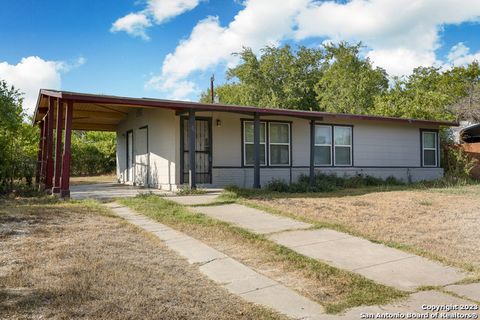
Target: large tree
280,77
349,83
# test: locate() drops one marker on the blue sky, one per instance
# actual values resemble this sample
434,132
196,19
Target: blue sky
169,48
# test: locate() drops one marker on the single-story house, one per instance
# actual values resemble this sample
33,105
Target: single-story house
233,145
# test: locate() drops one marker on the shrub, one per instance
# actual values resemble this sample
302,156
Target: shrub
328,183
457,163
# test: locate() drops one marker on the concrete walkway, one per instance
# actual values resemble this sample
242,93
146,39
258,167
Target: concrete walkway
377,262
251,219
229,273
470,291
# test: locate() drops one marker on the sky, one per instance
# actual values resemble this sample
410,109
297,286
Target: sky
170,48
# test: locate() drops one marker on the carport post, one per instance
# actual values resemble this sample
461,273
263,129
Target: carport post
65,183
312,152
256,150
58,148
49,171
191,150
38,172
43,169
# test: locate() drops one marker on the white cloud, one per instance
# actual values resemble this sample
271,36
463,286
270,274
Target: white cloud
209,44
156,12
133,24
399,34
33,73
162,10
460,55
402,34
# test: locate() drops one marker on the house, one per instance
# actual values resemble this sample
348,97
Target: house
244,146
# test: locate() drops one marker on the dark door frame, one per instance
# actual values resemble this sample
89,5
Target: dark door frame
182,149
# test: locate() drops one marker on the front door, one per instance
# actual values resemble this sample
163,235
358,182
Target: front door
203,150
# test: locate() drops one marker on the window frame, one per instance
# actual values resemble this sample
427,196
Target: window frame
342,146
267,140
289,144
330,127
436,149
244,143
332,153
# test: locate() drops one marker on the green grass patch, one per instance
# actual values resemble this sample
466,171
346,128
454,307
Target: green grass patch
352,289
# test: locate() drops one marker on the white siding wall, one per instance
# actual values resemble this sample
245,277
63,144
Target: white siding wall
162,145
380,149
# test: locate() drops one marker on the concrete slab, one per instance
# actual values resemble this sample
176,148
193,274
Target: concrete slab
252,219
231,274
409,274
194,199
417,305
287,302
109,191
195,251
340,249
299,238
470,291
377,262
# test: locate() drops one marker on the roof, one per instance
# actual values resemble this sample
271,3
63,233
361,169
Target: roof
104,112
470,134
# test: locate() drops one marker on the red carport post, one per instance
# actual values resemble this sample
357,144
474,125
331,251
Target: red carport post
49,169
65,183
58,148
38,173
43,170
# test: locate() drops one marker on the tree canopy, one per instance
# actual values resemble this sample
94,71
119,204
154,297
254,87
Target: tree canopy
337,78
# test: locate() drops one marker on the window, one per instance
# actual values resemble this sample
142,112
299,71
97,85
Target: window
248,156
279,143
275,143
343,145
429,149
323,146
333,143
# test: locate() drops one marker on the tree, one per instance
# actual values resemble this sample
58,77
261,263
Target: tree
18,140
93,152
426,94
468,107
280,77
349,83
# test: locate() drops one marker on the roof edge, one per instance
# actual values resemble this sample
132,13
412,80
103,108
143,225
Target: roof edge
185,105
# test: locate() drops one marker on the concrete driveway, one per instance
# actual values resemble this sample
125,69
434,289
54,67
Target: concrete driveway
108,191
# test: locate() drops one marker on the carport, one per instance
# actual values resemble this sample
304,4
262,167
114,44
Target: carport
59,112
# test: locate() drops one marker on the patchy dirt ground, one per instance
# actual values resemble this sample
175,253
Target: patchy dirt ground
443,222
104,178
65,261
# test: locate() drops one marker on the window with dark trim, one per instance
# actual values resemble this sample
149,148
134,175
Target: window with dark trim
429,148
248,146
275,143
333,145
323,145
279,143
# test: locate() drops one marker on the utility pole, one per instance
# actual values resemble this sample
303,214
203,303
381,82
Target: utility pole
212,78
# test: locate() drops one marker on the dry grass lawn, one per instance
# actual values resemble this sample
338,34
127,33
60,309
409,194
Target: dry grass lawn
442,222
65,261
335,289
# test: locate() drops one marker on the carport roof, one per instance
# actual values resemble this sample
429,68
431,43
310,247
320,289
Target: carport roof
104,112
